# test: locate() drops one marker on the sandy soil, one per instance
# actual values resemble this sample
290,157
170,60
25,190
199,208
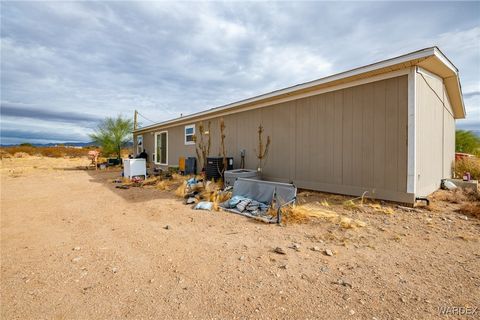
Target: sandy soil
74,247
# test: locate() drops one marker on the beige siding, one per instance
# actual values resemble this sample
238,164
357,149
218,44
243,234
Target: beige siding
346,141
435,148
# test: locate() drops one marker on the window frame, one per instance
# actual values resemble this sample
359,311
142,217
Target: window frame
190,126
156,148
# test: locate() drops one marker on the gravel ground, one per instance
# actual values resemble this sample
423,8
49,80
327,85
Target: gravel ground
75,247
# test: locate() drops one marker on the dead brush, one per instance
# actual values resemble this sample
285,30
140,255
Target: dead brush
209,191
378,208
149,181
453,196
181,190
307,212
471,209
353,205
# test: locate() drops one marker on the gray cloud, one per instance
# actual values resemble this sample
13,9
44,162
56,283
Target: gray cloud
25,135
471,94
66,59
44,113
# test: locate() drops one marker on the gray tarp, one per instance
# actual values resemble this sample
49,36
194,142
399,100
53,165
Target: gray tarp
264,191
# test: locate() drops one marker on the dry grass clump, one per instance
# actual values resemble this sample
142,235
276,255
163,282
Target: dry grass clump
457,195
21,155
150,181
211,188
471,208
4,154
471,164
378,208
306,212
181,190
163,185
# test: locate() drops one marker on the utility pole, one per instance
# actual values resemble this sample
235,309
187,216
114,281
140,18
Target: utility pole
135,123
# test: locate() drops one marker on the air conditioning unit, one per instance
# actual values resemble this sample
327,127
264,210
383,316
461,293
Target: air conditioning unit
214,167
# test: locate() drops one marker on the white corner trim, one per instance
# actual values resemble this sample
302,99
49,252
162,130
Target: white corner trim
412,132
445,60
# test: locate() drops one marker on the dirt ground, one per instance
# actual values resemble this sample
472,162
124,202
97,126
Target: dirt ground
75,247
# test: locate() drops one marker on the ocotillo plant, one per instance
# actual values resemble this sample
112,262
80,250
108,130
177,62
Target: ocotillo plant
222,145
202,148
262,151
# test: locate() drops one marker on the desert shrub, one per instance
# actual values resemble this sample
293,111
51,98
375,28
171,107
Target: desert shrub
453,196
4,154
466,141
471,208
471,164
54,152
20,155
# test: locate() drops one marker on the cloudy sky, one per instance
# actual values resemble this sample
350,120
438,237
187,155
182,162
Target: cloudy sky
65,65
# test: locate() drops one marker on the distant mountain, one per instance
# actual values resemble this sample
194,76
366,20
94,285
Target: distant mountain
53,144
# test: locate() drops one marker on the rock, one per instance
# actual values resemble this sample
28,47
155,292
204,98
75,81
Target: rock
352,312
328,252
151,280
76,248
344,283
403,300
76,259
167,227
295,246
114,269
190,200
283,266
279,250
324,269
242,258
315,248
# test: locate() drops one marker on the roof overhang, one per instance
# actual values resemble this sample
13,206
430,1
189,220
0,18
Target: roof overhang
431,59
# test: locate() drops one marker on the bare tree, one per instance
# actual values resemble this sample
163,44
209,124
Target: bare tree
222,146
202,147
262,150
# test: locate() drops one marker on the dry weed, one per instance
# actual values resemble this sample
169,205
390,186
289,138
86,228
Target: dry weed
453,196
378,208
304,213
471,208
471,165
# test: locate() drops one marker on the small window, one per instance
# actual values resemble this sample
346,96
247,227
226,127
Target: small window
189,133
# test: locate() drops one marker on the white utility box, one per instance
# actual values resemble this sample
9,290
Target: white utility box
134,167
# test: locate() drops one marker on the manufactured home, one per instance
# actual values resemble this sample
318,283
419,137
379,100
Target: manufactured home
387,128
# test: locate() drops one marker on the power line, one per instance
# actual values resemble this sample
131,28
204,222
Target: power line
146,118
